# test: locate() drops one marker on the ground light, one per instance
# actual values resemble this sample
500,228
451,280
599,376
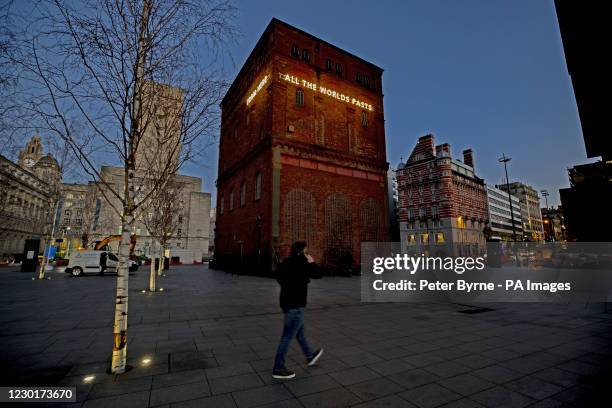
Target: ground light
146,361
88,378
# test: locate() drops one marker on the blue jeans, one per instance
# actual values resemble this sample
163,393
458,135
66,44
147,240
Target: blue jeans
293,327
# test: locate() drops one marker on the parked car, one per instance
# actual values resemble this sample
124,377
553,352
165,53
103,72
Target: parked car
89,262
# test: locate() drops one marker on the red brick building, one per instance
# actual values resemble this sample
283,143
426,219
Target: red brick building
302,153
442,203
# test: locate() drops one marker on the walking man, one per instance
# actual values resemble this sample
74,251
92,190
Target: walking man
294,275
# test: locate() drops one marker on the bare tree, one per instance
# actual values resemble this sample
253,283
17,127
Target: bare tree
101,64
162,222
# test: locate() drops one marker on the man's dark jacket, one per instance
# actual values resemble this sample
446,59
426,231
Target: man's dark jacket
294,273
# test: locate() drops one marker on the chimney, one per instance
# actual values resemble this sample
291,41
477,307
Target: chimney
468,157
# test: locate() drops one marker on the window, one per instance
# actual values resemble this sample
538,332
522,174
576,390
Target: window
231,200
410,213
221,204
367,82
422,212
299,97
328,65
338,69
261,131
179,232
425,238
67,213
439,237
434,211
78,221
364,119
295,51
257,185
112,257
243,193
305,55
460,222
180,219
358,77
411,239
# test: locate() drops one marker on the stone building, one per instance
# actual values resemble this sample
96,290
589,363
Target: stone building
442,203
531,215
27,197
302,153
86,217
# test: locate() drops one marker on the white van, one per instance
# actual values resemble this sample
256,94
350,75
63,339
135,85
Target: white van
89,261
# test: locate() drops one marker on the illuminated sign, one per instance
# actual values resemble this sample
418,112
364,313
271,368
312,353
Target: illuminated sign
325,91
256,90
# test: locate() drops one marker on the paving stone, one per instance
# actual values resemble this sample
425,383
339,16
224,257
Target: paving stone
120,386
391,401
132,400
354,375
390,367
429,396
497,374
177,393
500,397
466,384
229,370
447,369
262,395
373,389
534,387
413,378
216,401
563,378
334,398
235,383
312,384
178,378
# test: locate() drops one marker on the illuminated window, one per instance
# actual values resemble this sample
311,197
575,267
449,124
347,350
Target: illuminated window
411,240
295,51
364,118
257,185
338,69
328,65
425,238
460,222
439,237
243,193
299,97
305,55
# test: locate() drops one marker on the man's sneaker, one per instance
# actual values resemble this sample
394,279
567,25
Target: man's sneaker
313,360
283,374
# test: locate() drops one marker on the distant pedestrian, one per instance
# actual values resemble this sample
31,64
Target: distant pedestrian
294,274
102,262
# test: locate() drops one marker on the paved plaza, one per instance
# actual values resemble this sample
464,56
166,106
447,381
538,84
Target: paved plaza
209,338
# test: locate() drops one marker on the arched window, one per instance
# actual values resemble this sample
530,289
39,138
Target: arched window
305,55
364,118
257,185
295,51
338,69
243,193
328,65
299,97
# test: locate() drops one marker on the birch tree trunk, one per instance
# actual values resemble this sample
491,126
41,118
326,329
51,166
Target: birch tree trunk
152,271
119,359
162,260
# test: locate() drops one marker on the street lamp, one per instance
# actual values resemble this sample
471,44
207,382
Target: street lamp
505,160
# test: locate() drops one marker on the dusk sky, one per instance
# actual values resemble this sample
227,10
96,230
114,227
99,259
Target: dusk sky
489,75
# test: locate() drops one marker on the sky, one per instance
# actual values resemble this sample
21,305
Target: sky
483,74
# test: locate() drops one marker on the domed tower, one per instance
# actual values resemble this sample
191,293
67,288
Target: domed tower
47,169
31,154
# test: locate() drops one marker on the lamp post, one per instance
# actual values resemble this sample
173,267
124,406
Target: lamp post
505,160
